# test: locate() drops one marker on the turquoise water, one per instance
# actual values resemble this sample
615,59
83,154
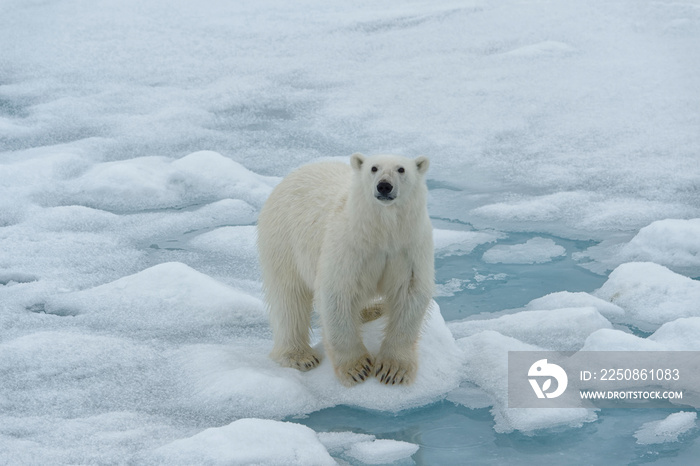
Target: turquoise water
451,434
495,287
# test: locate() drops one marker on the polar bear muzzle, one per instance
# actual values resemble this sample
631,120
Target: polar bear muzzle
385,191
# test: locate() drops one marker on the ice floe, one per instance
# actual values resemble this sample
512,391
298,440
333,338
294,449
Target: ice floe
534,251
666,430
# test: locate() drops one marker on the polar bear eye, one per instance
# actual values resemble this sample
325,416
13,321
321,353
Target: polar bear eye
401,170
374,169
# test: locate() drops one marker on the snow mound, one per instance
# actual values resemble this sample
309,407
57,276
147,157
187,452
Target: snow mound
672,243
666,430
381,451
564,299
557,330
166,298
679,335
457,242
486,366
236,241
160,182
533,251
239,377
248,441
651,294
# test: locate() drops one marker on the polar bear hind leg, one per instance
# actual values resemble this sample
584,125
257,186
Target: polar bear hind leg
290,306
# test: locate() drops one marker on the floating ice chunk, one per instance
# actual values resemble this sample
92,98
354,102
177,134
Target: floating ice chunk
457,242
438,361
533,251
545,48
679,335
381,451
533,210
651,294
574,214
338,442
486,365
557,330
617,340
169,297
240,378
248,441
450,287
672,243
563,299
666,430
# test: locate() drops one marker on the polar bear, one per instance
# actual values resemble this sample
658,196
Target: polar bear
353,242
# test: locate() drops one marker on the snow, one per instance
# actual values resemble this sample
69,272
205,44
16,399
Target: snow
557,330
169,297
651,294
486,366
564,299
367,448
248,441
160,182
456,242
666,430
534,251
669,242
139,140
381,451
545,48
337,442
227,378
676,335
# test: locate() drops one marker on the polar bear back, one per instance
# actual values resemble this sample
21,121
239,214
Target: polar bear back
292,224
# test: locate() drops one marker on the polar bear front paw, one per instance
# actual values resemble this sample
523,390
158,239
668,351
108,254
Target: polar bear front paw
354,372
393,371
303,360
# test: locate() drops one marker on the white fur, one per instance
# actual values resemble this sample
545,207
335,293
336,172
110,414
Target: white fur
326,240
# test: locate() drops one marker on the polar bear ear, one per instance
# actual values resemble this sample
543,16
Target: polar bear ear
356,160
422,164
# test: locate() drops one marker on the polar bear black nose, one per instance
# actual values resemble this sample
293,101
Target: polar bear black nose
384,188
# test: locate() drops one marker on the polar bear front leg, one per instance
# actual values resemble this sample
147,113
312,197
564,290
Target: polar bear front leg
341,336
397,361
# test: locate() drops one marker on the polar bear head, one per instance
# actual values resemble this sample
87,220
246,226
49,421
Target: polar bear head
390,178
